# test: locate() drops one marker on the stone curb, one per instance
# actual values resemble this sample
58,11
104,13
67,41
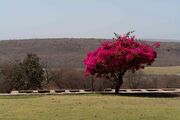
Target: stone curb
84,91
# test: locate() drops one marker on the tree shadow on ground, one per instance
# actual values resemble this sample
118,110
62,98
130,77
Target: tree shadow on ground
151,95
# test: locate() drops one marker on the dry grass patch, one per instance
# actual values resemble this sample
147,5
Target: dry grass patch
170,70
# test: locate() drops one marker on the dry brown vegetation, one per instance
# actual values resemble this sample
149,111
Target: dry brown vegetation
63,59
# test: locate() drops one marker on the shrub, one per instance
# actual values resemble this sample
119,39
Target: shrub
27,74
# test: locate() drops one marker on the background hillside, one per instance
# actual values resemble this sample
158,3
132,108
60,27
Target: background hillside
69,53
64,59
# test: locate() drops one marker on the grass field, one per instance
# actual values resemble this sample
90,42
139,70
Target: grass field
88,107
170,70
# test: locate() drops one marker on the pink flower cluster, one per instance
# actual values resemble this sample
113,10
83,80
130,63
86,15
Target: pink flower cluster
120,55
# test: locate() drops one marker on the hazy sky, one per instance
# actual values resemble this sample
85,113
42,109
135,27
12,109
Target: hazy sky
89,18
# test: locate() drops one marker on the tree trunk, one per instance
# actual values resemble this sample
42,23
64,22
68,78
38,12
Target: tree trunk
92,83
118,83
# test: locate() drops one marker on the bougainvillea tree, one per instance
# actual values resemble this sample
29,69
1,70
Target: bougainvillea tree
115,57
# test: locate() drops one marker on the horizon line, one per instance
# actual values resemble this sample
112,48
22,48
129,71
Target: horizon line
43,38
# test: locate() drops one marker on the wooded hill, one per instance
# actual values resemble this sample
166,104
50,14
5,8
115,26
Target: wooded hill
69,53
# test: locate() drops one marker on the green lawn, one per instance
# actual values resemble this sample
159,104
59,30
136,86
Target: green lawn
88,107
